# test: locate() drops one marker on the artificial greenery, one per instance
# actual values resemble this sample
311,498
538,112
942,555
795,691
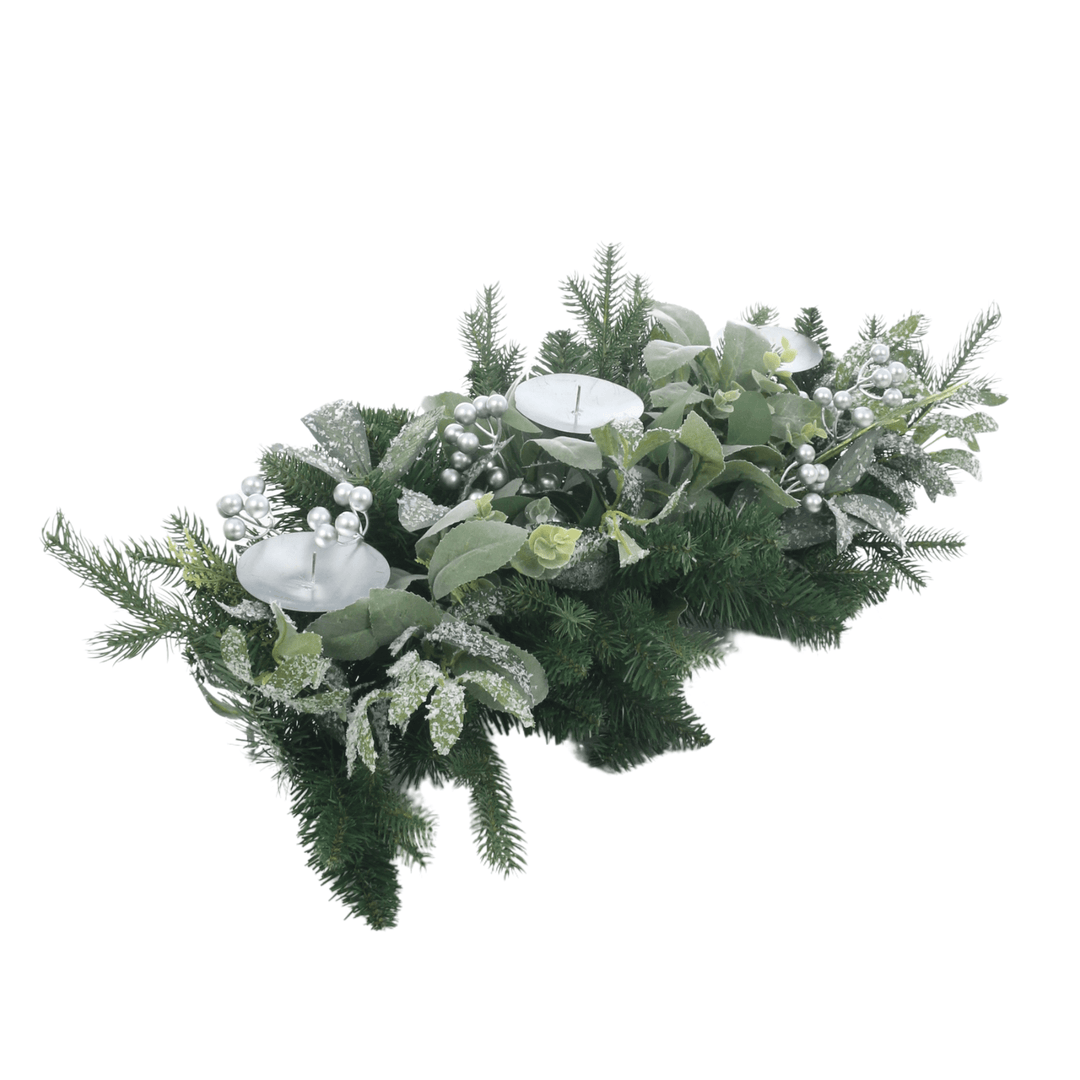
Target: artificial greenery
574,599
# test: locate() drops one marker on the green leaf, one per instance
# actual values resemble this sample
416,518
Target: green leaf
662,358
677,393
413,681
470,551
852,464
446,715
359,740
347,634
758,455
426,545
744,470
498,692
988,397
626,441
392,612
750,422
290,642
960,459
697,436
515,420
744,351
791,413
234,654
845,526
580,453
685,326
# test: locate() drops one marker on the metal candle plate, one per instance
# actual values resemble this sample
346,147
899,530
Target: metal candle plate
575,403
279,570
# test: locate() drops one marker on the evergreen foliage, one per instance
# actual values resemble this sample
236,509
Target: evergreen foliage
573,603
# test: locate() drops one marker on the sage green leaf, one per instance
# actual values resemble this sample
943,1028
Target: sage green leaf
662,358
426,545
745,471
758,455
580,453
750,422
402,579
292,675
347,634
988,397
418,511
852,464
677,393
961,459
626,441
967,427
699,437
791,413
745,347
684,325
471,550
413,681
767,385
392,612
340,429
671,420
408,444
220,707
290,642
515,420
877,512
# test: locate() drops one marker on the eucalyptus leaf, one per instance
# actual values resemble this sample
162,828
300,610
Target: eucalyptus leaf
745,347
684,325
751,421
677,393
662,358
580,453
700,437
515,420
762,454
791,413
471,550
464,511
392,612
347,634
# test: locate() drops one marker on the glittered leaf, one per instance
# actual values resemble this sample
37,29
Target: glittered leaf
497,693
852,464
845,526
413,681
877,512
407,445
744,470
359,739
471,550
234,654
339,427
417,511
960,459
801,529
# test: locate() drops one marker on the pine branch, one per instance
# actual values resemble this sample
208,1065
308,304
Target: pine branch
810,324
976,338
760,315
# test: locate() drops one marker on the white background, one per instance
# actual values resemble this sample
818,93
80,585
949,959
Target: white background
218,216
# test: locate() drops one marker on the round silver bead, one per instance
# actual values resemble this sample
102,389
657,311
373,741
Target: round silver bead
899,373
862,416
548,482
881,377
476,494
804,394
465,413
234,529
526,489
812,502
497,405
318,515
823,395
817,487
480,404
253,485
805,453
451,432
347,524
893,398
342,493
467,442
230,505
497,478
258,506
822,473
450,478
360,499
879,352
325,535
807,474
842,400
458,460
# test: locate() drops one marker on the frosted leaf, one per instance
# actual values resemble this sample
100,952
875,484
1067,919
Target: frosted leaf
473,640
414,679
477,607
408,444
234,654
505,694
877,512
317,457
845,527
633,491
800,529
592,564
328,701
359,740
416,511
294,674
249,610
446,715
402,639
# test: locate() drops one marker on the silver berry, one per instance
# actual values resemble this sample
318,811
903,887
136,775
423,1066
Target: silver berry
342,493
805,453
347,524
879,352
548,482
497,478
230,505
881,377
458,460
808,474
842,400
893,398
823,395
497,405
822,473
253,485
325,535
451,432
318,515
450,478
899,373
465,413
480,404
863,417
467,442
360,499
234,529
258,506
812,502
